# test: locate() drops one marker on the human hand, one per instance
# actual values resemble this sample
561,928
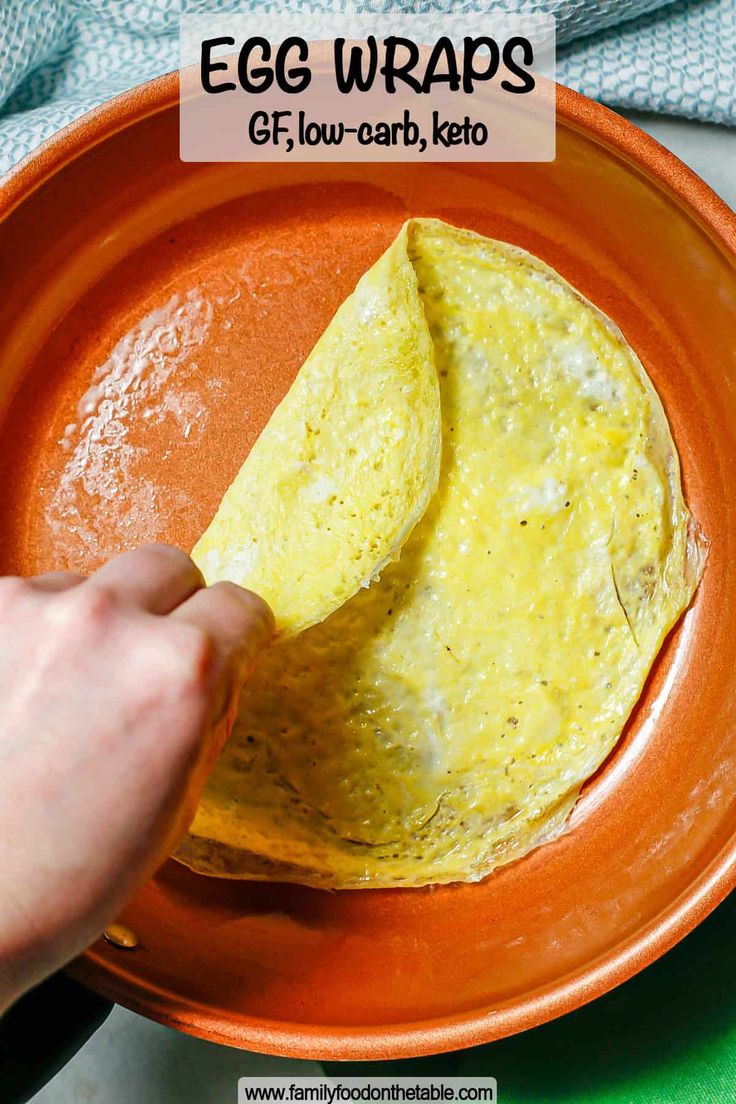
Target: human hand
116,694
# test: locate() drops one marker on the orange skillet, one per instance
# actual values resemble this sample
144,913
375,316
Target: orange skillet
215,280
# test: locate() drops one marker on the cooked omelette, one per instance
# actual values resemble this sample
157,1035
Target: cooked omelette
441,721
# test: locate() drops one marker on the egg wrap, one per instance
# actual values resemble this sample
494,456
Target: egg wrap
442,721
347,463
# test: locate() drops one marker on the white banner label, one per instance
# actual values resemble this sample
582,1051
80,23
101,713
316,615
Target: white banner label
354,86
367,1090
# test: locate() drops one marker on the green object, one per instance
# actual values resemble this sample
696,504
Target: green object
668,1036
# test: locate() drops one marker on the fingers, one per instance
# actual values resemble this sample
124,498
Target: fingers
155,577
240,624
238,621
55,581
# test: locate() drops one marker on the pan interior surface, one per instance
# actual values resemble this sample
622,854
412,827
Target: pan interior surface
153,306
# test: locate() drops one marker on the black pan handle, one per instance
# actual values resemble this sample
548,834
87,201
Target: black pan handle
42,1031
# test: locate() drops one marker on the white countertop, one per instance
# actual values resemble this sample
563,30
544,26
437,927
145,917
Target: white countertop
133,1061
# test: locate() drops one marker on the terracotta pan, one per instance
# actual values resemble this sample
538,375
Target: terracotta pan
194,292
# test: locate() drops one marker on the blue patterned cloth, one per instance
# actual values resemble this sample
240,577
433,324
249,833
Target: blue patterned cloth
58,58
